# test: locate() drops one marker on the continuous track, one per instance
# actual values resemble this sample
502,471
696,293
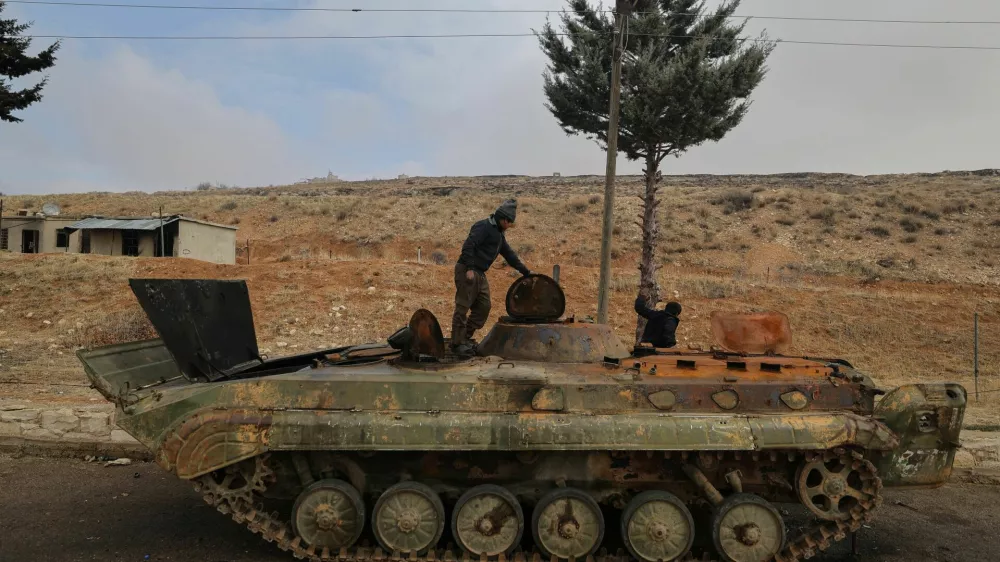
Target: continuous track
803,546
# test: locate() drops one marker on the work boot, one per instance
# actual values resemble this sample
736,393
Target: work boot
465,350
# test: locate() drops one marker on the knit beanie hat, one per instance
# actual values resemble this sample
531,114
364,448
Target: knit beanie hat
507,210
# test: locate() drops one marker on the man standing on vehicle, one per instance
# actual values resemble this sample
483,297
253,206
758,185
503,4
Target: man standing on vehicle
486,241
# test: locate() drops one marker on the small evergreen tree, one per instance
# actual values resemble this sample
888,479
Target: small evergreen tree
15,63
686,78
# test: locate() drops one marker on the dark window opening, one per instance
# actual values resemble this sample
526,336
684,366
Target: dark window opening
3,239
84,241
29,241
130,243
62,238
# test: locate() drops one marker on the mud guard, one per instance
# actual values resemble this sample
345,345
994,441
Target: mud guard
927,418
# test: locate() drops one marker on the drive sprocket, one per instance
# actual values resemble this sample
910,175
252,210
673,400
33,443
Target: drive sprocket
236,482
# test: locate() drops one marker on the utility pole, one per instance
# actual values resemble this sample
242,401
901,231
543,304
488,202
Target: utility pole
163,254
621,12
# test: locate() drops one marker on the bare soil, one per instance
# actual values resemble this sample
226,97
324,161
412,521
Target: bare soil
884,271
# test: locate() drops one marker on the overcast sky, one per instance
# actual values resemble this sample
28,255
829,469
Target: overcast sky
121,115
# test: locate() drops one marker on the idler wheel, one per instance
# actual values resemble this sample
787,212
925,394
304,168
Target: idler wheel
408,518
567,524
329,513
657,526
830,486
487,521
746,528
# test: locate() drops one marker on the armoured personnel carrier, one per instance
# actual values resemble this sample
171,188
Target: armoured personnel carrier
555,442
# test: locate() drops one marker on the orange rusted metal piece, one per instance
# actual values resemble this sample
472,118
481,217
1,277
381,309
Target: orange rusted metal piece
426,334
765,332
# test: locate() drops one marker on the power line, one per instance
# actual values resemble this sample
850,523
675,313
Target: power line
473,35
474,11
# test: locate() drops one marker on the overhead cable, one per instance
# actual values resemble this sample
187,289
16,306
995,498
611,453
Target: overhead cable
483,35
474,11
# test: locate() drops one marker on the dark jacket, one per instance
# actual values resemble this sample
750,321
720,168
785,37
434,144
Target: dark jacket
484,244
661,326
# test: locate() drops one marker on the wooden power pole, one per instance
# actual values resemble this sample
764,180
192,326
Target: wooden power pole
621,12
163,248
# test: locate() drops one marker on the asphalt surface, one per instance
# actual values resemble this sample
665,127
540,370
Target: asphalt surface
70,510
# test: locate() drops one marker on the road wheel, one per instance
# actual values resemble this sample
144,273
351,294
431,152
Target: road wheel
487,521
329,513
408,518
568,524
746,528
657,527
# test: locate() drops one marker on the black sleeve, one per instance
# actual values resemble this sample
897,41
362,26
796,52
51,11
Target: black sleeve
642,310
476,236
509,255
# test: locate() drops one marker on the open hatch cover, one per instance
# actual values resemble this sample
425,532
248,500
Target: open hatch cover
205,324
535,298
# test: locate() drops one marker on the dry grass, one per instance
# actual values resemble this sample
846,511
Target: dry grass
859,288
854,218
117,326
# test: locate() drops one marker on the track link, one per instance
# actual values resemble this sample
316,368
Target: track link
806,544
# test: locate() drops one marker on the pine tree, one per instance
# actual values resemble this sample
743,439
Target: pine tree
686,78
15,63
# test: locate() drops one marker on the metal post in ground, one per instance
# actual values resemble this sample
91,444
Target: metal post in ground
555,273
975,352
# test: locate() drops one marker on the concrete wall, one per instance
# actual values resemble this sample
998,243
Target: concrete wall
102,243
147,244
109,243
206,242
46,233
48,236
15,226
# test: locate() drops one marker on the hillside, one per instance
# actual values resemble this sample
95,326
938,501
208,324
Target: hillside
927,227
884,271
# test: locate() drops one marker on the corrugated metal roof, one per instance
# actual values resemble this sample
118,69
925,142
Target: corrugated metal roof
199,221
121,224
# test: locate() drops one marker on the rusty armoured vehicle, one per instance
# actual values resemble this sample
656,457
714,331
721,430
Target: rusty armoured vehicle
554,442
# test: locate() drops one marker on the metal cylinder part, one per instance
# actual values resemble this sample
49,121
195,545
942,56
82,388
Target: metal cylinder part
706,487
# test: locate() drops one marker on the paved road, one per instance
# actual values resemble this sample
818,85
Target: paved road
68,510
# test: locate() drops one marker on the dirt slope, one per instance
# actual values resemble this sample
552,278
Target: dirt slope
832,251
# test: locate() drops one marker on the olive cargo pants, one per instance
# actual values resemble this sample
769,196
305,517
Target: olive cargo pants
471,296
